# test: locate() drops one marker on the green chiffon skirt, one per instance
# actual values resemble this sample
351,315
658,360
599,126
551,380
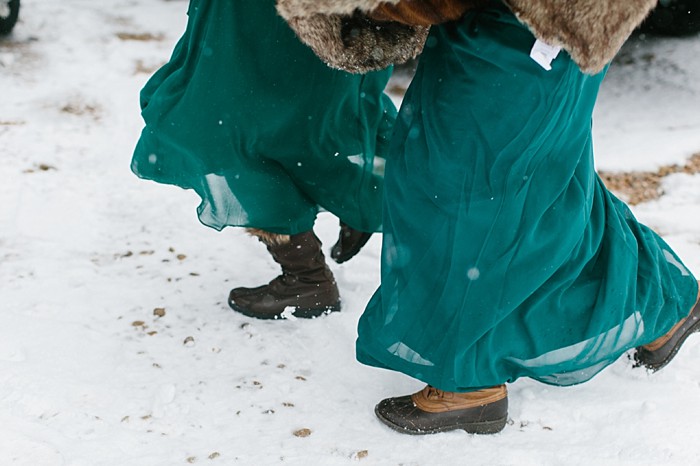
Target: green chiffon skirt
260,128
504,255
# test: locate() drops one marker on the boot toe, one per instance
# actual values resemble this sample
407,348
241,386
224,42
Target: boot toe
243,291
256,305
657,359
398,413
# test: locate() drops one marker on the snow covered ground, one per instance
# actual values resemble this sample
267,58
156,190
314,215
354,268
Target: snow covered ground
117,346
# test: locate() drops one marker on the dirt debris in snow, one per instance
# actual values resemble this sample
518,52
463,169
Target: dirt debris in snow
637,187
302,433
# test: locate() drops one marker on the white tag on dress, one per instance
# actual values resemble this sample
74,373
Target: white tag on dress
543,54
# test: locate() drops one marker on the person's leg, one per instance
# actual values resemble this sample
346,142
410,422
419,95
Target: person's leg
530,267
306,288
657,354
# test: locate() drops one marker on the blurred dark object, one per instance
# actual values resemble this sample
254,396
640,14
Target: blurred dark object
9,10
673,18
406,69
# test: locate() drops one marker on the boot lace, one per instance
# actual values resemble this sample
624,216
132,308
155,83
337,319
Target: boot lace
434,393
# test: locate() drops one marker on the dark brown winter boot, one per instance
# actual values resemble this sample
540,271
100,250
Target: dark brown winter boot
657,354
430,411
306,288
350,241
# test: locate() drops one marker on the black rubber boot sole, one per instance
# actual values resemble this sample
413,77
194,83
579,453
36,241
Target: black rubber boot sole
299,312
402,414
650,360
480,428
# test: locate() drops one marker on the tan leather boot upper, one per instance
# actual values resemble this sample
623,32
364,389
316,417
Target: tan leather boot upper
432,400
661,341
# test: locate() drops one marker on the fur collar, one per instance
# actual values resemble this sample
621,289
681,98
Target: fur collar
591,31
354,42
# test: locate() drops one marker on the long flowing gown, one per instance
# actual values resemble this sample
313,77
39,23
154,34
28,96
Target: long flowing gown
504,255
260,128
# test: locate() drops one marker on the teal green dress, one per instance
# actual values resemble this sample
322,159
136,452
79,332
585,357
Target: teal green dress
260,128
504,255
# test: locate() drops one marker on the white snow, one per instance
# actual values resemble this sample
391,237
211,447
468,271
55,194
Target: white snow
117,346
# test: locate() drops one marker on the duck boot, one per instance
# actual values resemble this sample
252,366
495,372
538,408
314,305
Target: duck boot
306,288
430,411
657,354
349,243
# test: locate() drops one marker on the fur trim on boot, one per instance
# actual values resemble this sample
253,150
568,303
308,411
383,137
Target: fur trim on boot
267,238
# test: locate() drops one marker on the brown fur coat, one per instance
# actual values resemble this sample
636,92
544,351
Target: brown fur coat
424,13
354,42
591,31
